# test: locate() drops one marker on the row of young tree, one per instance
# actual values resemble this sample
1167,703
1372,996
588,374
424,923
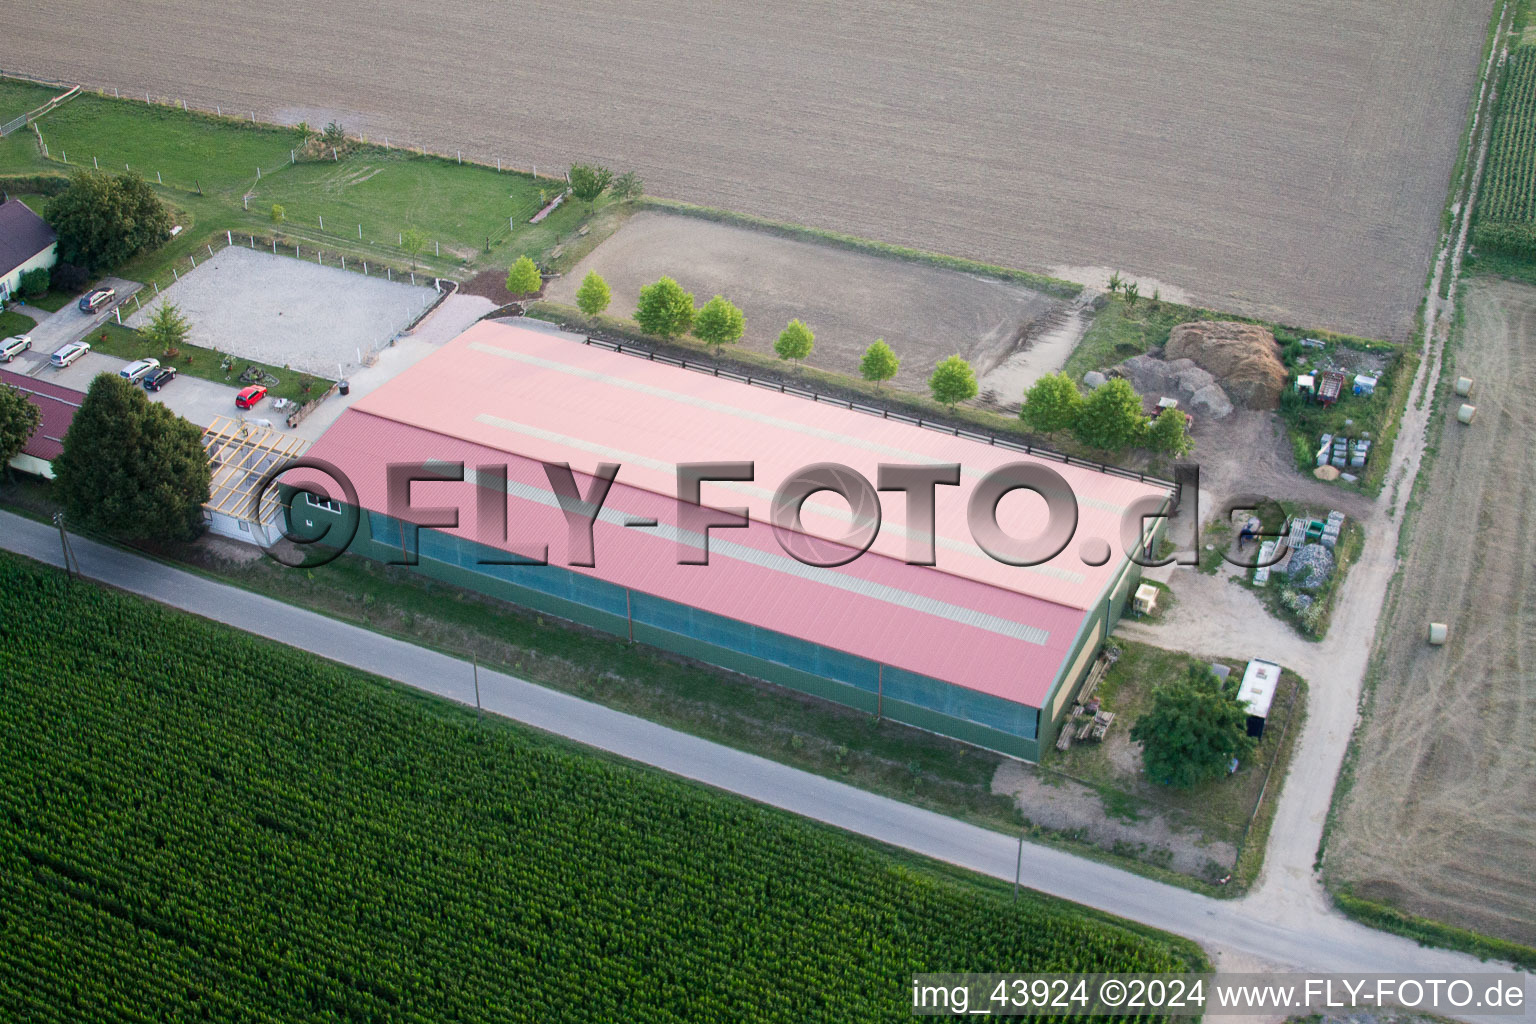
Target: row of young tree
1109,419
665,310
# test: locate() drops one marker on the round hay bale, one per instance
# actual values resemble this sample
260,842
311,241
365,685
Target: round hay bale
1464,386
1439,632
1326,473
1466,413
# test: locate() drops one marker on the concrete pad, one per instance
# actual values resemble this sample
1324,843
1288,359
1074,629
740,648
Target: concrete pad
290,312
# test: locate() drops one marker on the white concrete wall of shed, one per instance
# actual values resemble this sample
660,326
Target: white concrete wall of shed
34,465
47,258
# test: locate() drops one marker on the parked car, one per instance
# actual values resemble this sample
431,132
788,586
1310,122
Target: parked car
138,369
160,378
98,298
10,348
69,353
248,397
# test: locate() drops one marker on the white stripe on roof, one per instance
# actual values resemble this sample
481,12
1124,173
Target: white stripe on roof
781,563
613,454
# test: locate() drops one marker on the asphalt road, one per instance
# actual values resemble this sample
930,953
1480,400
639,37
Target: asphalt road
1234,932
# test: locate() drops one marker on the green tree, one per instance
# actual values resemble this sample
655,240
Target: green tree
594,295
524,279
795,341
413,242
719,322
334,135
664,309
104,219
18,419
132,467
588,182
306,133
1193,731
1111,418
628,186
1132,293
953,382
1169,433
1053,403
1114,282
167,328
879,364
278,213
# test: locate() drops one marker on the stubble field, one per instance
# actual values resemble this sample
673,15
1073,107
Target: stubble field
1284,160
1441,813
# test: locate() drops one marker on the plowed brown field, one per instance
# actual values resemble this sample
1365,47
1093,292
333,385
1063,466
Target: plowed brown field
1440,819
1287,160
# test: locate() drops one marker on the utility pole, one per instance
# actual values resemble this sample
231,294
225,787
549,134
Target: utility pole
1018,867
474,660
71,563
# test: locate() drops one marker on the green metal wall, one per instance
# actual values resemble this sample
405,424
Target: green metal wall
919,701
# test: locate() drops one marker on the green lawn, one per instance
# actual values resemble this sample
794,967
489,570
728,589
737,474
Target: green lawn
1219,810
194,361
17,97
201,824
471,215
13,322
1119,331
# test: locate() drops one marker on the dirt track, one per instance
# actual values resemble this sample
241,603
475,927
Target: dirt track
1441,816
1288,160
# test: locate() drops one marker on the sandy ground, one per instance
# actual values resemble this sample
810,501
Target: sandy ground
848,298
1287,160
289,312
1067,806
1441,817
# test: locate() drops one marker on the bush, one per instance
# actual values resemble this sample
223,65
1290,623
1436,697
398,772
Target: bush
879,363
795,341
719,322
34,282
594,294
1193,731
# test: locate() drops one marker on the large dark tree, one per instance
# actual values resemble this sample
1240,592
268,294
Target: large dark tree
103,219
18,419
1193,730
131,467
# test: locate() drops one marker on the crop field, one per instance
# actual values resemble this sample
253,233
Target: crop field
1506,211
1439,819
1288,161
200,824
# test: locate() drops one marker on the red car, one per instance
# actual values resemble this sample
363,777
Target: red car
248,397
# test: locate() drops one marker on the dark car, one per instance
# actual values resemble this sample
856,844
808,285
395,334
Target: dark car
160,378
98,298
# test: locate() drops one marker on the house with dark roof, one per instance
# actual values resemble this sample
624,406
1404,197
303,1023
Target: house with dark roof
57,405
26,242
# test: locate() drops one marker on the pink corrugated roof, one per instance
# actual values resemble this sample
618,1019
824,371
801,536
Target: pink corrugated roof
57,404
938,624
546,397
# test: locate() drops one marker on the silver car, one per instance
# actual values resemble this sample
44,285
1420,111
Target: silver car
69,353
10,348
135,371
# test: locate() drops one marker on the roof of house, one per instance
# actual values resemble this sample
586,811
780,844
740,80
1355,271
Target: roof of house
23,234
546,397
57,404
508,396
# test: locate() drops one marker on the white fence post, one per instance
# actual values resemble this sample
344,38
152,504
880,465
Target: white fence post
174,276
159,180
343,263
229,238
210,246
438,249
359,232
322,223
95,164
194,261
